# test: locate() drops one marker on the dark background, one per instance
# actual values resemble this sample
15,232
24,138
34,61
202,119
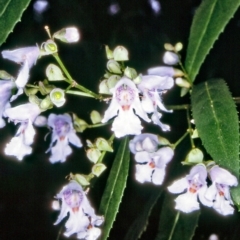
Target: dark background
27,188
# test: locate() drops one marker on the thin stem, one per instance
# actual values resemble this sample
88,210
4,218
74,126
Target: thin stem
178,107
79,93
99,124
71,81
190,130
180,139
59,233
174,225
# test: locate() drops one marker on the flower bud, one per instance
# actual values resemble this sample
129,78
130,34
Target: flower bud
130,73
103,145
109,52
112,81
45,88
34,99
103,87
114,67
68,35
57,97
178,47
169,47
138,79
46,104
81,179
182,82
30,91
56,205
95,117
194,156
184,91
120,53
54,73
40,121
79,124
170,58
163,141
195,134
6,76
98,168
49,47
93,154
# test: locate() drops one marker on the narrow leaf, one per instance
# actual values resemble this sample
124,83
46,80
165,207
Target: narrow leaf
209,21
174,225
216,119
10,13
116,184
140,224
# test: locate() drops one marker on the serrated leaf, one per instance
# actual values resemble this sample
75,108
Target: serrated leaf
216,119
209,21
174,225
116,184
140,224
10,13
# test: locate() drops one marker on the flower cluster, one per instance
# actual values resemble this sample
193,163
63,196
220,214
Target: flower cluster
216,196
82,219
151,159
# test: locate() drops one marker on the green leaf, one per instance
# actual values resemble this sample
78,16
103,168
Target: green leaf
174,225
209,21
10,13
116,184
140,224
216,119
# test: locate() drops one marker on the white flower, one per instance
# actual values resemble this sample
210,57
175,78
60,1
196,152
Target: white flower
24,114
125,98
6,87
196,186
152,86
218,192
152,165
62,133
152,161
28,57
170,58
57,97
82,218
68,35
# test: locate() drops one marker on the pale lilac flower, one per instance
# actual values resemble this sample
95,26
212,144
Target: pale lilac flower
218,192
26,56
63,133
24,114
68,35
170,58
125,98
82,218
196,186
152,161
162,71
6,87
152,87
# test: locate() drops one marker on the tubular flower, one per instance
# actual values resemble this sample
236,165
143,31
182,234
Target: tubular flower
196,186
28,57
63,133
218,192
82,219
6,87
152,87
24,114
152,161
125,98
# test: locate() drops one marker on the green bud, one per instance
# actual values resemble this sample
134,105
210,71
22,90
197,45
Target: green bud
98,168
114,67
178,72
79,124
109,52
178,47
46,104
93,154
184,91
163,141
195,134
138,79
103,87
45,88
112,81
95,117
103,145
54,73
130,73
49,47
6,76
67,35
89,144
30,91
182,82
169,47
57,97
34,99
107,75
194,156
81,179
120,53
